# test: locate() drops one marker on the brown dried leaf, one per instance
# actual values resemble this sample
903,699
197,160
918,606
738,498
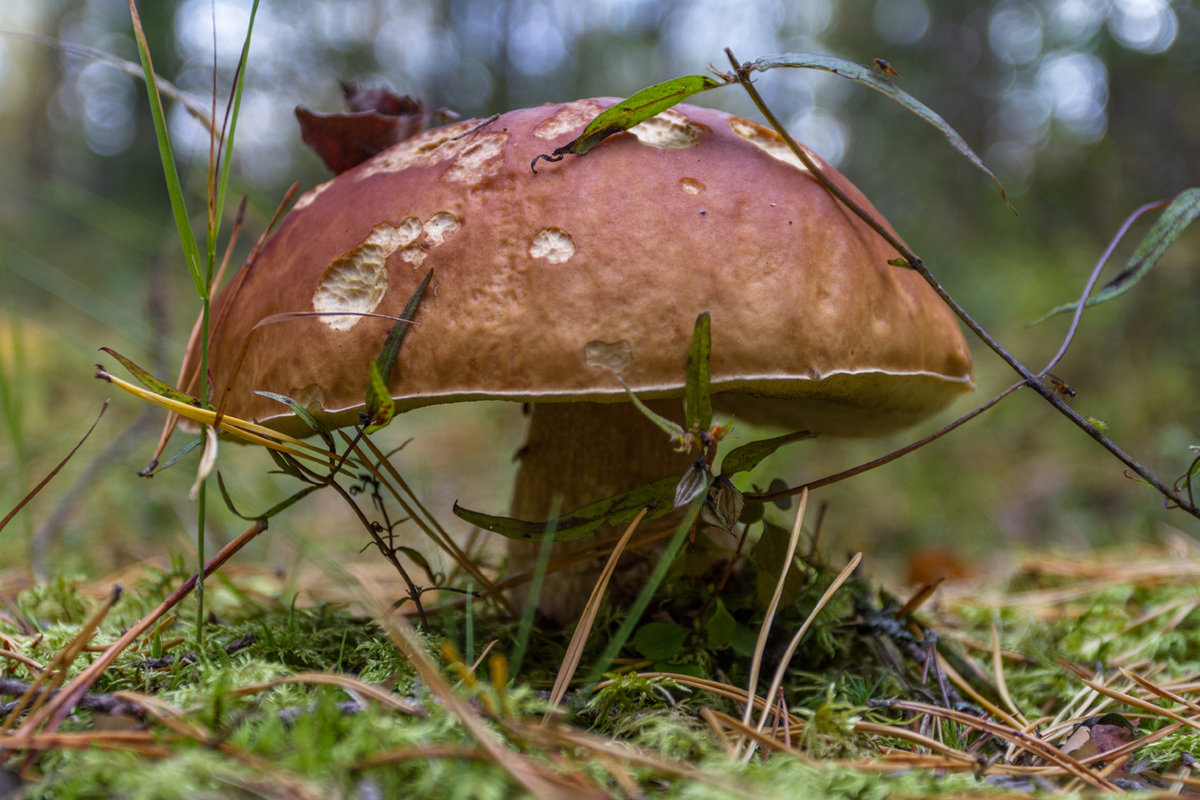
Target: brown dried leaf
377,119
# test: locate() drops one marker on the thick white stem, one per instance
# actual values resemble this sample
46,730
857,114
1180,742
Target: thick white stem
583,452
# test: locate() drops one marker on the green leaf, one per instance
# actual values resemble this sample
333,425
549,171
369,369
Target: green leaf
418,558
156,385
880,83
386,360
582,522
697,403
173,460
380,406
1171,223
744,640
748,456
636,108
720,626
768,557
314,424
270,512
659,641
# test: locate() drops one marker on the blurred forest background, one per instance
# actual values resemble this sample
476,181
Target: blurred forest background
1085,110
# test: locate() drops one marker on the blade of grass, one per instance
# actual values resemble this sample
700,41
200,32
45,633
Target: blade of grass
187,238
217,203
574,653
42,483
634,615
764,631
525,628
781,670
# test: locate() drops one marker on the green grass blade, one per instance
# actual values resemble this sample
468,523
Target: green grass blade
748,456
187,238
634,615
525,628
884,84
227,159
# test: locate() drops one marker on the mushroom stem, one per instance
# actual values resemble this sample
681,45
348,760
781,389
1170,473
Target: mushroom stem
580,453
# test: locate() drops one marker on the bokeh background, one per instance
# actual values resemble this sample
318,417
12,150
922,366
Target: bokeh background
1085,110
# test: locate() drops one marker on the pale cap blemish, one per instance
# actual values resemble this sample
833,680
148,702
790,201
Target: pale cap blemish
615,356
312,194
356,281
414,255
553,244
568,119
423,150
409,229
691,186
440,227
481,160
766,140
669,128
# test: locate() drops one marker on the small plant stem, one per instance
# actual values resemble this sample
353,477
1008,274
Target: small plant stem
386,551
1095,277
879,462
742,72
201,506
202,495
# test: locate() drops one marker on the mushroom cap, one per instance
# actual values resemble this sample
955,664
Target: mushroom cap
547,286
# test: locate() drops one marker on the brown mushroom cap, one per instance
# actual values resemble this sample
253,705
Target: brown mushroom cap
548,285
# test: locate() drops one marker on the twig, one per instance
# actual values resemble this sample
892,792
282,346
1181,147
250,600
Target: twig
103,703
742,72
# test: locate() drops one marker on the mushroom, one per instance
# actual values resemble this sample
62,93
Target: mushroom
549,286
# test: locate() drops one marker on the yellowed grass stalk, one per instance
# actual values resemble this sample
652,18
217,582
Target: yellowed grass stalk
781,670
247,431
534,780
760,644
1031,743
583,628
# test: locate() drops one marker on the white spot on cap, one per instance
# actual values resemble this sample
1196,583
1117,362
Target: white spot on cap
408,229
307,198
691,186
441,226
413,255
615,356
766,140
669,128
355,282
553,244
568,119
482,159
423,150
